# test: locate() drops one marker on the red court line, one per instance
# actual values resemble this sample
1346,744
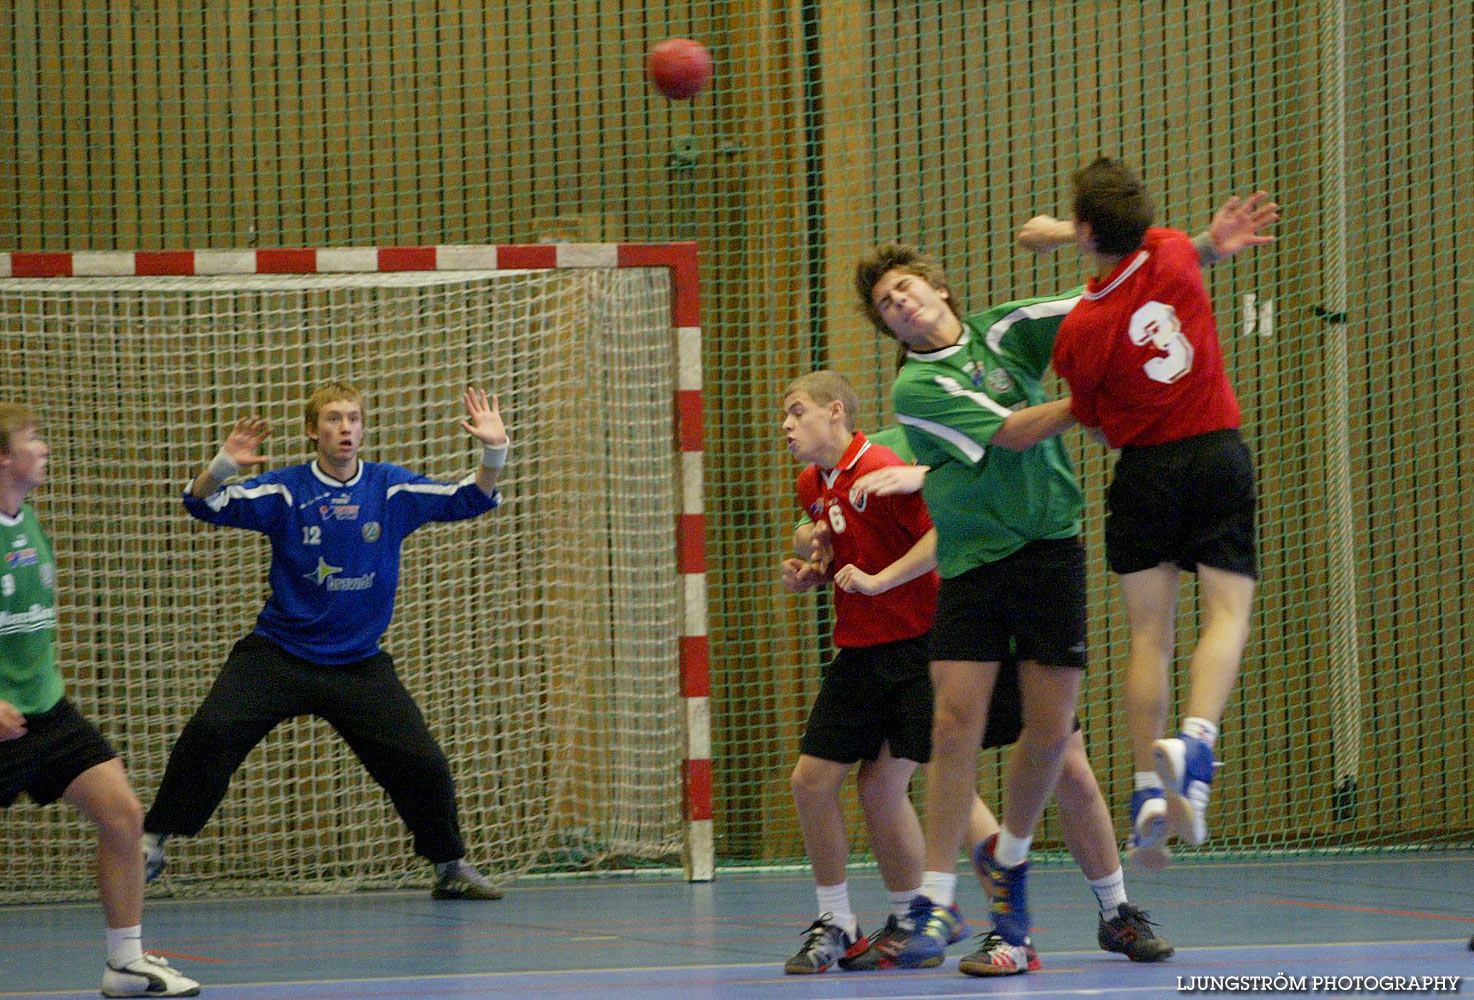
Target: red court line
185,956
1373,909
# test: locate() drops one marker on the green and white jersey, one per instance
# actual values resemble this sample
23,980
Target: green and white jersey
987,502
28,676
894,438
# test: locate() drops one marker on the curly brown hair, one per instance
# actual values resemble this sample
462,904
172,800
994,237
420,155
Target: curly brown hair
896,257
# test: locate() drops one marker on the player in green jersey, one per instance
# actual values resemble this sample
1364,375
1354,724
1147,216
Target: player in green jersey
1007,511
47,749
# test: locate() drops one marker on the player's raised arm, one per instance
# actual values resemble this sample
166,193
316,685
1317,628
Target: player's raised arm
241,449
1237,225
484,423
1044,233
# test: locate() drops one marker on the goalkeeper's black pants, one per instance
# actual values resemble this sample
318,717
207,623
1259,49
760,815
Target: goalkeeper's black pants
260,686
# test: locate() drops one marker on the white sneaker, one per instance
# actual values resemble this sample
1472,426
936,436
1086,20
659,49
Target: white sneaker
149,976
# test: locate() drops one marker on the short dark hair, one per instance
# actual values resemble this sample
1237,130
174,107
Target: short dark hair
1111,197
895,257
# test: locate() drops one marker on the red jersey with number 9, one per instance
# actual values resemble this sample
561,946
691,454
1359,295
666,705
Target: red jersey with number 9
1140,350
871,536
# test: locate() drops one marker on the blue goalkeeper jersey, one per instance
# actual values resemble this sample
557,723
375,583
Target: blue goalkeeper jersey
335,547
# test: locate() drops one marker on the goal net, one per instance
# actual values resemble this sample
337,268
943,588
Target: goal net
544,641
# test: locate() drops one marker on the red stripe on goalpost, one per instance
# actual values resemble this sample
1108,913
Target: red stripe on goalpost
690,419
695,667
525,257
407,259
691,543
698,789
681,259
295,261
41,265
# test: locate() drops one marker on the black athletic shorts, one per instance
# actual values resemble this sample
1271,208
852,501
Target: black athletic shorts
59,745
1006,710
870,696
1189,502
1033,600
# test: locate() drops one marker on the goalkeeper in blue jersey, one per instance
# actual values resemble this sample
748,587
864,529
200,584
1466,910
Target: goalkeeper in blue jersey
336,525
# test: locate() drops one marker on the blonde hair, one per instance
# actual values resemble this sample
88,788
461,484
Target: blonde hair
14,417
824,387
333,392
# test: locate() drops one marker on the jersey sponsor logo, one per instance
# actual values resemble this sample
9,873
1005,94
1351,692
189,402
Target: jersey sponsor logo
371,531
999,381
325,576
21,541
22,557
338,512
860,506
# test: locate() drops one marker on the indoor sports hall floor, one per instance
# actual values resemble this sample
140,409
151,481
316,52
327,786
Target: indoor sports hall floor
621,937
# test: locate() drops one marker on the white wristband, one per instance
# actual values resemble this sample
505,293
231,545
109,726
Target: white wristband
494,457
222,467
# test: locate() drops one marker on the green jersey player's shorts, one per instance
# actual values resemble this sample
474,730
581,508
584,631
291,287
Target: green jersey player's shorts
58,746
1032,599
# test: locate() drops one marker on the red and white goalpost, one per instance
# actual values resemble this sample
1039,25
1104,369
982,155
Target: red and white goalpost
560,653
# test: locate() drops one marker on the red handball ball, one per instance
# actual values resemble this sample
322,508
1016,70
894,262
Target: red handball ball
679,67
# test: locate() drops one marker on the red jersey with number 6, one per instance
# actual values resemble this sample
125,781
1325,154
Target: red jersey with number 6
1140,350
871,536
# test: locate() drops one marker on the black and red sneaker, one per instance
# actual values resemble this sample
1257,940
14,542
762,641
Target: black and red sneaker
1130,933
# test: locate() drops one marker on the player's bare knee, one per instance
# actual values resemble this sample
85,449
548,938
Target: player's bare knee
120,819
810,784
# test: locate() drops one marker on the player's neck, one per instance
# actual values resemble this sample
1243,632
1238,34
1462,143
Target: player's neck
341,469
946,332
838,446
12,495
1104,264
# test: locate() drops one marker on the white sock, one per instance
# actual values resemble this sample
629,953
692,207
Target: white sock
939,887
444,868
835,901
1146,779
901,901
1200,729
1010,851
124,945
152,841
1110,892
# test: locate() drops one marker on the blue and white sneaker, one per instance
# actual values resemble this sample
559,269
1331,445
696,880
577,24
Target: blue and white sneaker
826,943
1147,846
154,861
1185,764
933,928
1007,888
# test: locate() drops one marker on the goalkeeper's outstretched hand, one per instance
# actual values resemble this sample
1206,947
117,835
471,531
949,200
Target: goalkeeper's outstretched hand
484,418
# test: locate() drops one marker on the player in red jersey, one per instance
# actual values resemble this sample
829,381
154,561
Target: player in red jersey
874,706
1141,355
